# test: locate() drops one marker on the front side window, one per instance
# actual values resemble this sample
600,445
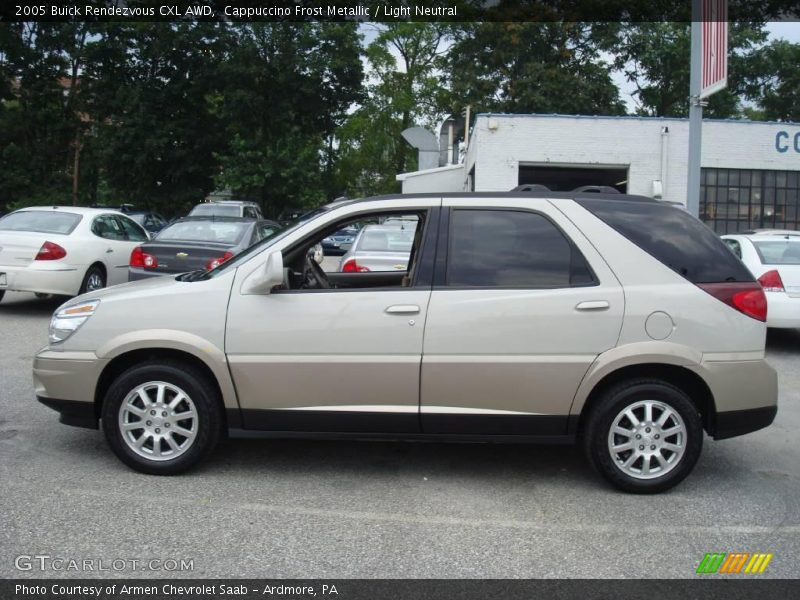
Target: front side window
511,249
734,246
132,230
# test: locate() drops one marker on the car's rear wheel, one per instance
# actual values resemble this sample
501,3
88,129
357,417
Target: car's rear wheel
161,418
95,279
644,436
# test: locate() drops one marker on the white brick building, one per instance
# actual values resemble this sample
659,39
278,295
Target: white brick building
749,178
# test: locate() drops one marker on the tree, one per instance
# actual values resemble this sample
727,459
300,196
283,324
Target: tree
655,58
41,110
154,133
405,88
288,88
779,89
530,67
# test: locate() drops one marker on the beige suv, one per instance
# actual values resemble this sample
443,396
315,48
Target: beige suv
614,321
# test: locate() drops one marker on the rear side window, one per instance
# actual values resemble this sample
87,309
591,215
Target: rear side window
40,221
512,249
783,252
734,246
674,237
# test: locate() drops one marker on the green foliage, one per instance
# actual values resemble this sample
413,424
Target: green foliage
404,89
528,67
779,86
161,114
655,58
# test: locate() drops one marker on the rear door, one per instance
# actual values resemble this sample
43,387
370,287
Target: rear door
114,249
521,306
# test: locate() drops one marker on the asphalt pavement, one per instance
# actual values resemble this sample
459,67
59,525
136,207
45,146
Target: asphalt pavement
313,509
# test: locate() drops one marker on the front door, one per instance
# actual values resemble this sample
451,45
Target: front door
329,360
521,306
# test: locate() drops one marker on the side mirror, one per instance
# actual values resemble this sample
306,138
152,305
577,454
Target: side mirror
263,279
316,253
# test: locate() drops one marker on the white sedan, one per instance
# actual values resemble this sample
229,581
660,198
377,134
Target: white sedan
773,257
65,250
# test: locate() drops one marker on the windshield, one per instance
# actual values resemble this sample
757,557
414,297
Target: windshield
784,252
40,221
223,232
259,246
215,210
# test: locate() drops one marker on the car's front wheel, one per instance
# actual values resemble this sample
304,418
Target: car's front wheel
644,435
162,418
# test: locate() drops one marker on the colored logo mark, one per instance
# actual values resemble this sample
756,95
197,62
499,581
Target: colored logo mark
734,562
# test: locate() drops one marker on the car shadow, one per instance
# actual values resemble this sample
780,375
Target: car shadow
471,461
783,340
26,305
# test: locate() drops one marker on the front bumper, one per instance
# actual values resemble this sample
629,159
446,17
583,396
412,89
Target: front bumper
72,412
66,382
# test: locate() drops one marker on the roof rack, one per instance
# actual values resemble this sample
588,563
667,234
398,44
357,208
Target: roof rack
597,189
531,187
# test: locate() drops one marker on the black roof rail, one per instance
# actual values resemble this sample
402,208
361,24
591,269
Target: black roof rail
531,187
597,189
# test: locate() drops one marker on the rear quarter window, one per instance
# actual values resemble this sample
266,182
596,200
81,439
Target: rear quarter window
674,237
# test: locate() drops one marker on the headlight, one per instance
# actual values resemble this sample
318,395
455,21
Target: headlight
68,319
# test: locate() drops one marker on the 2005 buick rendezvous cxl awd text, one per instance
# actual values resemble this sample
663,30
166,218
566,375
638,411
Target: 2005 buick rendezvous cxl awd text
615,321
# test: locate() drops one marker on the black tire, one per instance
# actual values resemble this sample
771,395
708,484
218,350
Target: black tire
596,432
195,385
2,293
87,285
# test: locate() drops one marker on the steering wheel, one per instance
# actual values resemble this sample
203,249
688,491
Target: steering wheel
315,271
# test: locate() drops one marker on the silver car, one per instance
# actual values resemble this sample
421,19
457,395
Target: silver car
379,248
612,321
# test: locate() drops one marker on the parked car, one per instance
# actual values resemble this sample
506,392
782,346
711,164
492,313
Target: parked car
65,249
340,241
379,248
193,243
614,321
773,256
151,221
227,208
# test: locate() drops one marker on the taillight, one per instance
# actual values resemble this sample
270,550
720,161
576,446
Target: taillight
771,282
143,260
351,266
747,298
215,262
50,251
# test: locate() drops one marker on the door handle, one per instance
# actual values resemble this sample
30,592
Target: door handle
593,305
402,309
109,251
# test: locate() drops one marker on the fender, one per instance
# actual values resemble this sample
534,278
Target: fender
211,355
639,353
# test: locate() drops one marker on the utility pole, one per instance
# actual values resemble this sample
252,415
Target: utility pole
695,113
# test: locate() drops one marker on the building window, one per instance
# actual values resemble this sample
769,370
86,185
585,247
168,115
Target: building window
733,200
